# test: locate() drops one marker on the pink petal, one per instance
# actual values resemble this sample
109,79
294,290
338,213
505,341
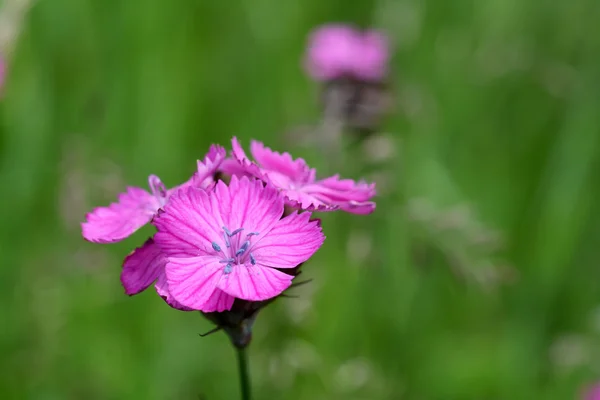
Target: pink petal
162,288
119,220
255,283
231,166
219,301
371,61
348,195
343,189
189,223
293,240
299,199
283,164
193,280
248,204
238,153
208,167
142,267
331,51
363,208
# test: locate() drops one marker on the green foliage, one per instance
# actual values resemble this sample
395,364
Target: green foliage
497,113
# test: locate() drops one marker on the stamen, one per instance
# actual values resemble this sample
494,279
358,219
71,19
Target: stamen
252,259
243,249
226,238
216,247
238,230
227,261
227,231
252,234
227,269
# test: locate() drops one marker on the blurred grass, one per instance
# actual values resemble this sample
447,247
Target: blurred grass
498,110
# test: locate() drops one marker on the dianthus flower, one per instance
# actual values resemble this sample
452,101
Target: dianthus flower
229,243
298,182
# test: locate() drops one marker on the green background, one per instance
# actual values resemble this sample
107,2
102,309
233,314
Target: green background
476,278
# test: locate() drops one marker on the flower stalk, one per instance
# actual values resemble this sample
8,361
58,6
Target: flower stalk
242,358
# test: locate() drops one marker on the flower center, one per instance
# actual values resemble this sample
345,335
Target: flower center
236,249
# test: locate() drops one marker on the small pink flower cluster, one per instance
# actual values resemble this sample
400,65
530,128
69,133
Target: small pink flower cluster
216,241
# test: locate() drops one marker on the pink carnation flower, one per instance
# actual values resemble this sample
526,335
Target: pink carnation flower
336,51
230,243
298,182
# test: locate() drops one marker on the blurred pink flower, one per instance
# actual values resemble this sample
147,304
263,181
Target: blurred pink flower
136,207
336,51
230,243
298,183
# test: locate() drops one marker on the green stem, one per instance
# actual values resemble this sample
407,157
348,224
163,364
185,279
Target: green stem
244,374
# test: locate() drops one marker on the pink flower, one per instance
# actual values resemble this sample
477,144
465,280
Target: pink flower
298,183
336,51
137,207
593,393
231,243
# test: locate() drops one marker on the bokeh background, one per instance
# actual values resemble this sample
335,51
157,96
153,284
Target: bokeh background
476,278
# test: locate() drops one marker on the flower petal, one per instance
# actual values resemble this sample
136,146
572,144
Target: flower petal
254,282
192,280
371,62
142,267
114,223
189,223
293,240
332,51
208,167
281,164
298,199
343,189
238,153
349,195
355,207
231,166
219,301
162,288
247,203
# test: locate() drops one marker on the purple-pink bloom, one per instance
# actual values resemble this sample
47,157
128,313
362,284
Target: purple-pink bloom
136,207
335,51
231,243
298,182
